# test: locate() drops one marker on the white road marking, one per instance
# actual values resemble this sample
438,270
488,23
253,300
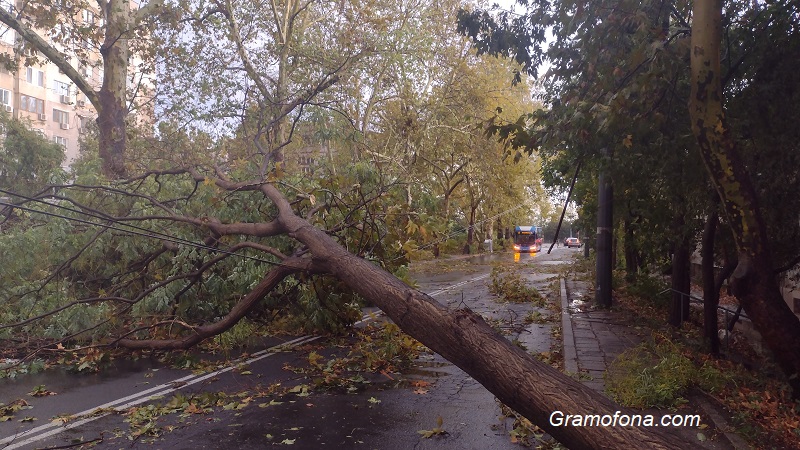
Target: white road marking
55,427
442,291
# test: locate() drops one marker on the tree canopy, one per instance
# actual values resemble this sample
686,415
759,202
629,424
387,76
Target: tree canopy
294,155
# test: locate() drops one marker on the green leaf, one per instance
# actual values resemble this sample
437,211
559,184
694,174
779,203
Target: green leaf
701,437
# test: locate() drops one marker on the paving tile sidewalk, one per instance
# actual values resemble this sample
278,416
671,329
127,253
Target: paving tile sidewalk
592,338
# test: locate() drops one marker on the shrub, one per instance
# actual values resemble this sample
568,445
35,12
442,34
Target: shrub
657,373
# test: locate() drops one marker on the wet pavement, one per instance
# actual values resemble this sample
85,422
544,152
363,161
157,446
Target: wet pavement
389,411
596,337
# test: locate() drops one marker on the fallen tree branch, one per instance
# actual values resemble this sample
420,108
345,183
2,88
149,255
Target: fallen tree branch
268,283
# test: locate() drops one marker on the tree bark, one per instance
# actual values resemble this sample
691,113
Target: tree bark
530,387
755,284
681,283
631,253
710,293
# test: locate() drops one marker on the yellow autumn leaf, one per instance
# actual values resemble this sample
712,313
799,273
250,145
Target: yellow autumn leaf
627,142
719,128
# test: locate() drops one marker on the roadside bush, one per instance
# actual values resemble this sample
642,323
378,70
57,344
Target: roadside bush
657,373
648,287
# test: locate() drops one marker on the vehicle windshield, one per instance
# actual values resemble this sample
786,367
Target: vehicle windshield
525,239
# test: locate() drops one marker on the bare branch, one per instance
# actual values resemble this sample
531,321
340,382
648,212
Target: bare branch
147,10
53,55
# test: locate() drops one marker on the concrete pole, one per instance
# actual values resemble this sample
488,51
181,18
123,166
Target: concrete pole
605,197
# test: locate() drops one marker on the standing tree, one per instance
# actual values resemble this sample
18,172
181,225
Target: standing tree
755,283
116,38
238,228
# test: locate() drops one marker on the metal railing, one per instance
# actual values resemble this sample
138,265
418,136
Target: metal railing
699,300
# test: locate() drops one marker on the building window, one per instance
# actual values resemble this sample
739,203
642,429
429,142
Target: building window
60,116
87,16
62,141
7,35
5,97
31,104
60,88
35,77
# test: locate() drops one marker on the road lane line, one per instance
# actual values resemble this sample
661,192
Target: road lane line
123,403
443,290
54,427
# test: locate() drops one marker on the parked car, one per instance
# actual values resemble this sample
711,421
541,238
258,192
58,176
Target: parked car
572,242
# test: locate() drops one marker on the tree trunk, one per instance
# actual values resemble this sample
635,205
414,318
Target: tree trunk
112,96
754,281
710,293
681,283
530,387
631,253
470,231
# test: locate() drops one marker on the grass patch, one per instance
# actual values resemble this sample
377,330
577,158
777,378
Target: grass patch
659,373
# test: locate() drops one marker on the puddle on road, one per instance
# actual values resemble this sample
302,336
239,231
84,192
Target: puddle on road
420,372
578,303
422,368
554,262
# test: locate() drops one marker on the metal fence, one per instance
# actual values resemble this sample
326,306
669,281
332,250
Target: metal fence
729,313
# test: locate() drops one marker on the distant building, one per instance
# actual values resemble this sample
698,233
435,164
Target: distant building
43,95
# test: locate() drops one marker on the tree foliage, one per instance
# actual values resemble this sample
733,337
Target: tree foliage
28,161
205,225
616,89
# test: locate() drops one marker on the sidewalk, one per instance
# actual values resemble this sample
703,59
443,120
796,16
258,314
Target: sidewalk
592,339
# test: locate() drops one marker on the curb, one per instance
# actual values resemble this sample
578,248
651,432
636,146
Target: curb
722,425
570,355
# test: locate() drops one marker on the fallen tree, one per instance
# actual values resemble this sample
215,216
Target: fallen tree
530,387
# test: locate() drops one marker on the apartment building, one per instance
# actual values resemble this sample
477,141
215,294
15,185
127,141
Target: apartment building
43,96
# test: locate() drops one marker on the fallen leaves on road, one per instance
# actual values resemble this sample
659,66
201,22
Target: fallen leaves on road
436,431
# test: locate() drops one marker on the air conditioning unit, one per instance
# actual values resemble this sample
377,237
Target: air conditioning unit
65,99
9,108
81,103
65,126
42,116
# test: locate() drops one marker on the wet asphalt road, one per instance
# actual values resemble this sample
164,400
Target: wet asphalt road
387,414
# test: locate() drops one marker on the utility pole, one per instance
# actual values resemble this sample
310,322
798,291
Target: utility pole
605,197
